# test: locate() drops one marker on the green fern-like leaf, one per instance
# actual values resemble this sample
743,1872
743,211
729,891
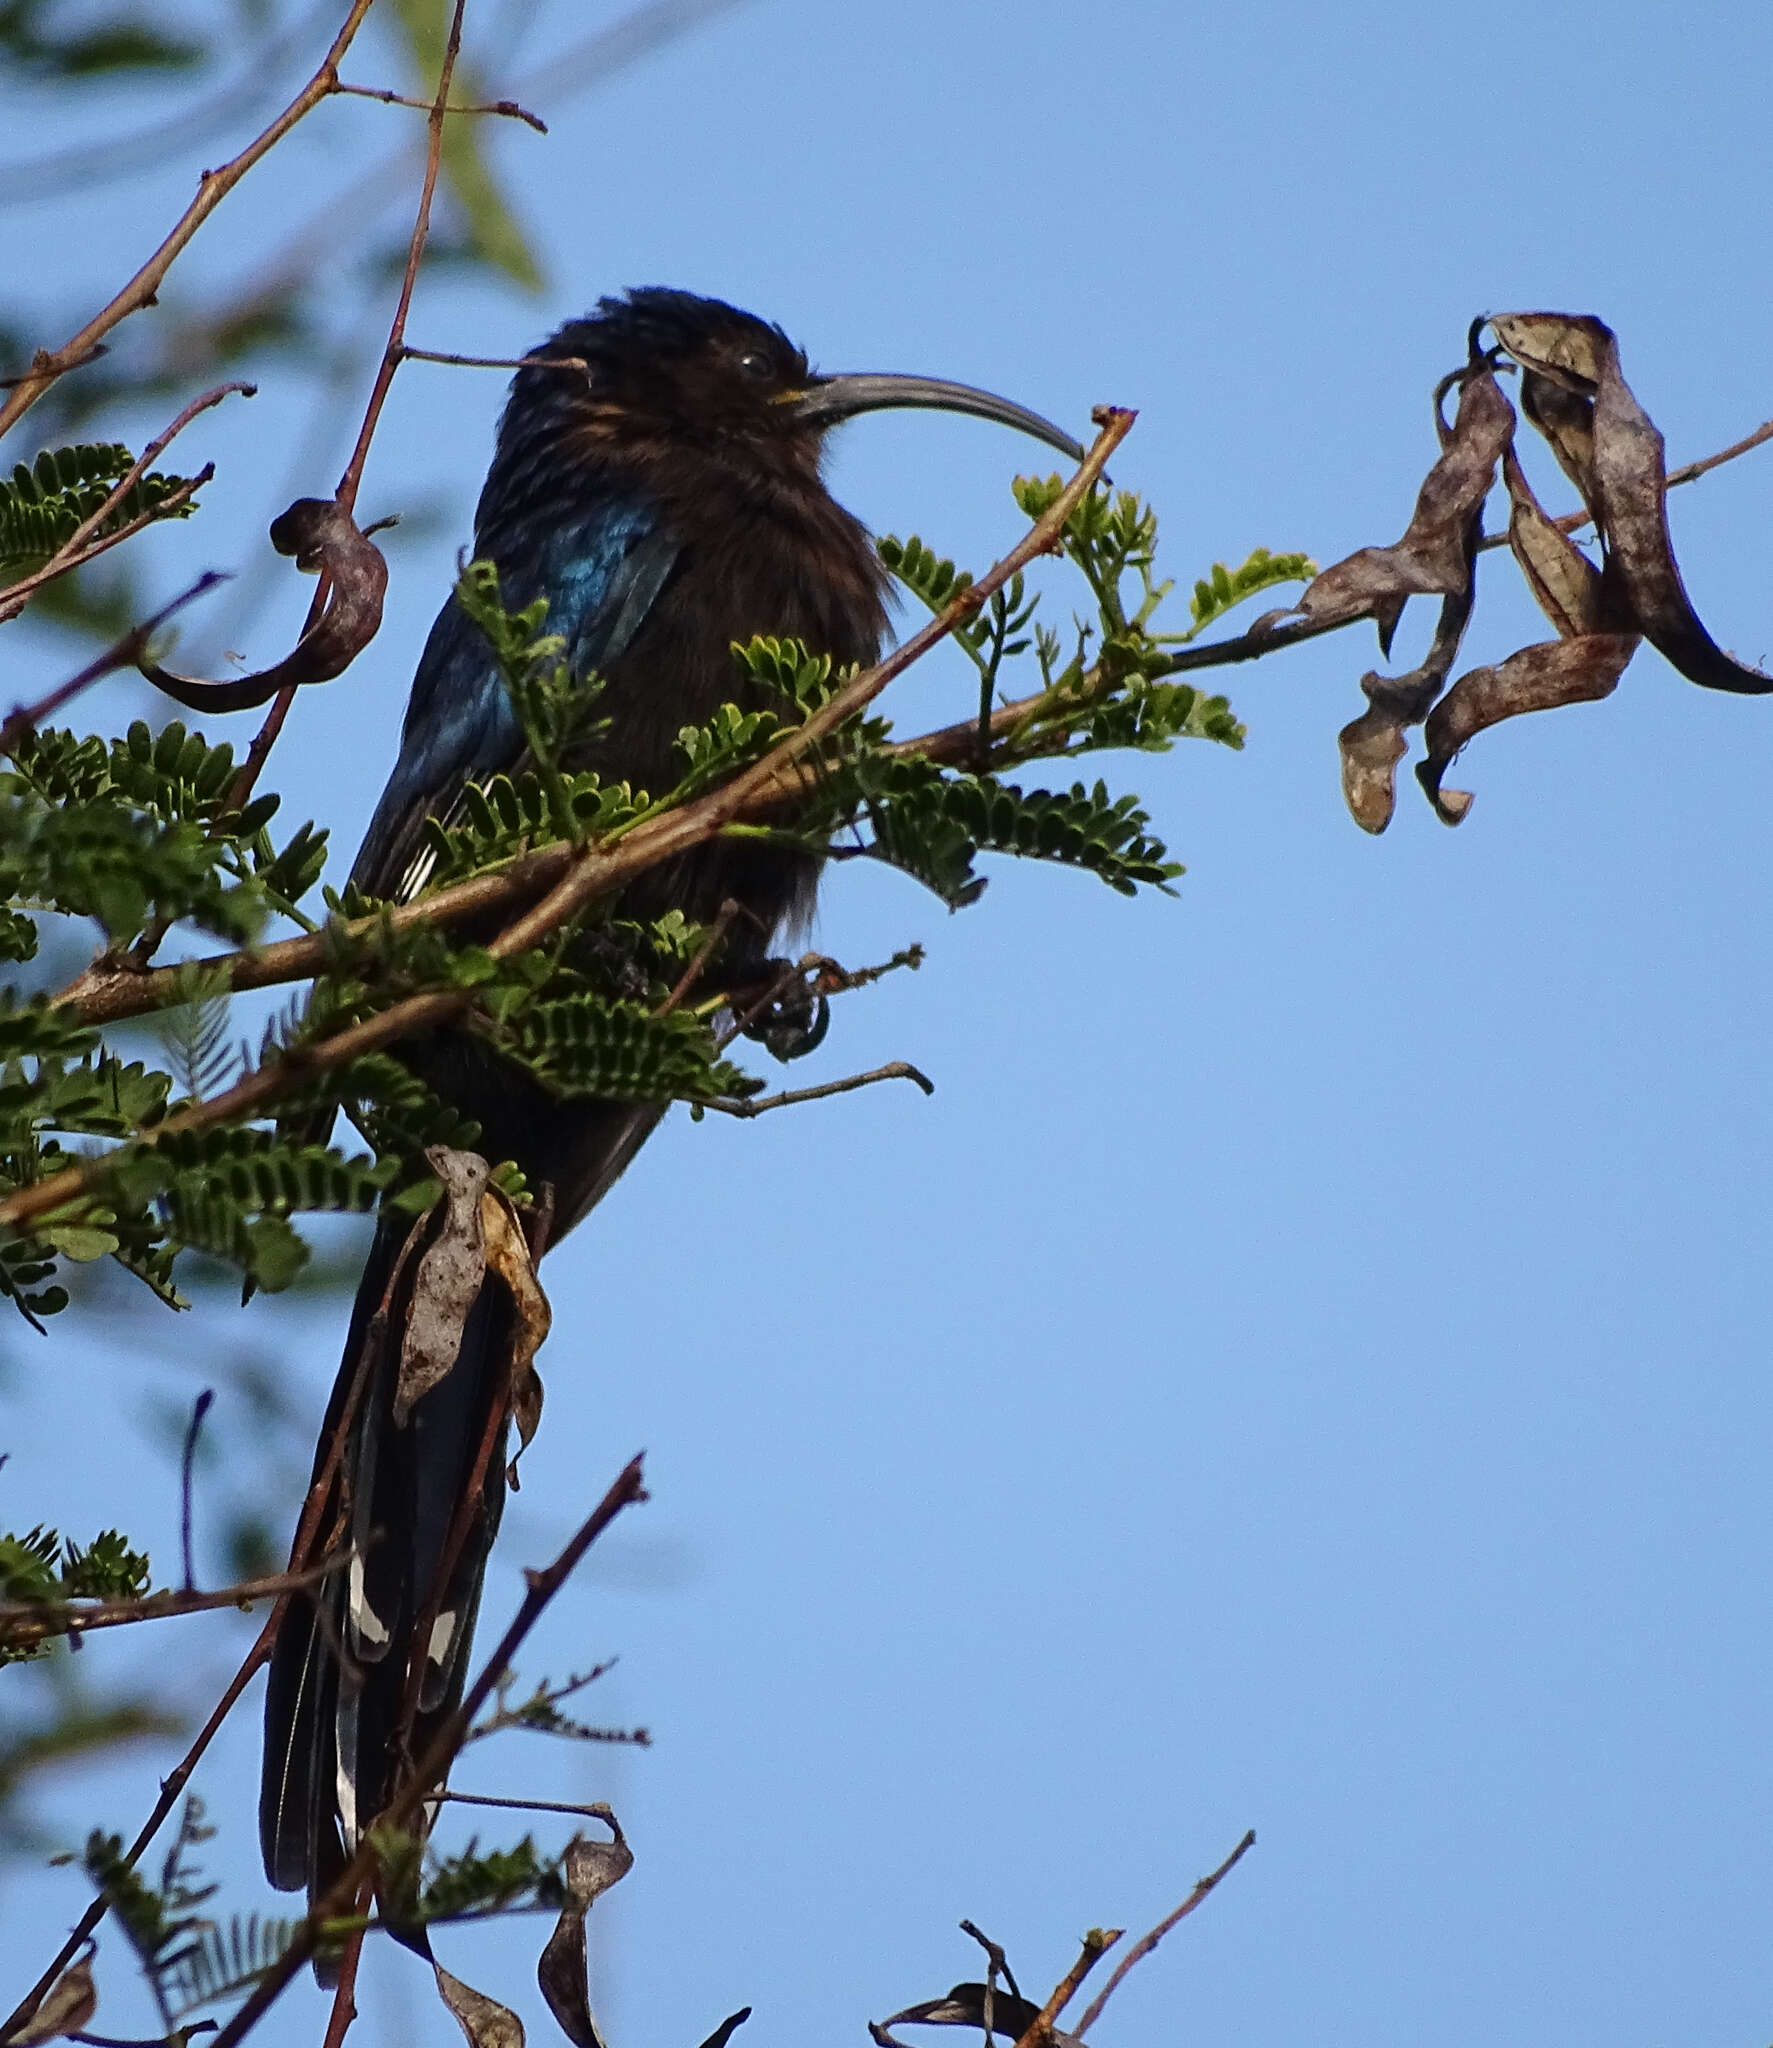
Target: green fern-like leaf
220,1962
479,1882
933,825
108,1569
41,505
1217,593
589,1045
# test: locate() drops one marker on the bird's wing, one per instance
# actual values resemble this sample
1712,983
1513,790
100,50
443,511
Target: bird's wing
601,573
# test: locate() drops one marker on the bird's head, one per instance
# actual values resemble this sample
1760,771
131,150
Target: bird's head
666,369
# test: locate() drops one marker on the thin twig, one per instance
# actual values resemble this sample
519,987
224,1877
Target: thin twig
300,1555
1096,1945
1689,472
596,1809
212,188
73,552
894,1070
438,355
703,954
433,1766
79,363
1147,1942
403,99
34,1621
344,1997
199,1409
121,653
247,775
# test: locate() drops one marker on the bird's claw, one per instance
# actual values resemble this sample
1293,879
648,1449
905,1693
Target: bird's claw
792,1019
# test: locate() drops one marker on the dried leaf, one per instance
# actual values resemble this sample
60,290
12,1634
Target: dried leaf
1432,557
1538,678
448,1281
1574,392
507,1255
65,2008
588,1869
321,535
486,2022
1565,582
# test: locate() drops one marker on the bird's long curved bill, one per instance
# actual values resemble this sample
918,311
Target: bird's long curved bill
831,399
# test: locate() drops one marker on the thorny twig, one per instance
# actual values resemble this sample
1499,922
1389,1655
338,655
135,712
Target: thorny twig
538,1715
405,99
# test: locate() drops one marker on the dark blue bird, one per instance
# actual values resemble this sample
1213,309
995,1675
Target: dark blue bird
667,501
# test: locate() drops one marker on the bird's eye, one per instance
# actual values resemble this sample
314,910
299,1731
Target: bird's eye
757,366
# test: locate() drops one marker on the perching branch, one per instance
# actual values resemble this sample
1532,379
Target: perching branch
582,874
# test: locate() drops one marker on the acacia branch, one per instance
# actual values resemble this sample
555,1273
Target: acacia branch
74,553
583,874
300,1555
433,1766
109,993
1147,1942
212,188
33,1621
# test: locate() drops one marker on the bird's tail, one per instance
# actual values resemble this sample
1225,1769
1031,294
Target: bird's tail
418,1501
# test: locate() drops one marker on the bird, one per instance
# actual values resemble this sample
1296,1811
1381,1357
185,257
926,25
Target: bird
657,479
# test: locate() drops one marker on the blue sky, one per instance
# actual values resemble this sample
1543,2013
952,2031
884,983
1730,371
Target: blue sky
1306,1366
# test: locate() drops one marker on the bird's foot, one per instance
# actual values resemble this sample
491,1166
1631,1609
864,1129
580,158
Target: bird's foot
783,1011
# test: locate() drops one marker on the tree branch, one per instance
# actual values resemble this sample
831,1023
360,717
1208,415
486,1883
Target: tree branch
212,188
1147,1942
583,874
34,1621
433,1766
73,553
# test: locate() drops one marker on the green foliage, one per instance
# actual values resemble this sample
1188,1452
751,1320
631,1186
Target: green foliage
135,827
41,505
591,1045
44,1566
933,826
1225,588
492,820
476,1883
219,1962
230,1191
107,1570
